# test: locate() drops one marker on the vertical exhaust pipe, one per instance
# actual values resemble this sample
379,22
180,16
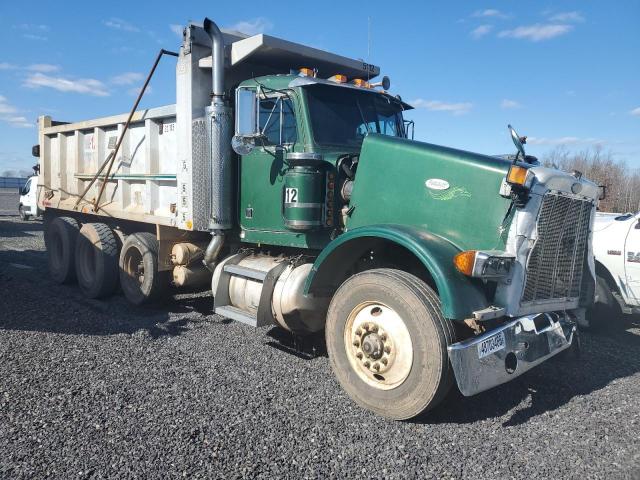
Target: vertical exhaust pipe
219,132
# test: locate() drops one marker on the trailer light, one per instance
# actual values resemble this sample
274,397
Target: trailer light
485,265
517,175
339,78
307,72
358,82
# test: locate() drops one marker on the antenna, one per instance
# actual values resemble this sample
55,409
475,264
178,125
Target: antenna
368,44
368,38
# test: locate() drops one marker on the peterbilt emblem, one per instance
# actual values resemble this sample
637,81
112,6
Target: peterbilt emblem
437,184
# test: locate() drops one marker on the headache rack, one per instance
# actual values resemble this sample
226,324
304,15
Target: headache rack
556,262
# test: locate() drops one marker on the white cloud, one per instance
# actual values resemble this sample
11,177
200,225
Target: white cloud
490,13
177,29
32,27
252,26
43,67
460,108
87,86
564,141
635,112
7,66
127,78
537,32
136,90
574,16
9,114
31,36
119,24
481,31
506,104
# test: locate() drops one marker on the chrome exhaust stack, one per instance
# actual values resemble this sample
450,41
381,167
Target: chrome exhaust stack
219,133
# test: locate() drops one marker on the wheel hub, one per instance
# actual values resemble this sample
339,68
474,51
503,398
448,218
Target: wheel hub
379,345
372,346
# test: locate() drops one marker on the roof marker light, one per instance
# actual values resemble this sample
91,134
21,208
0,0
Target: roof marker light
339,78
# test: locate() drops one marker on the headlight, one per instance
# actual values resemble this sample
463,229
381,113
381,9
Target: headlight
487,265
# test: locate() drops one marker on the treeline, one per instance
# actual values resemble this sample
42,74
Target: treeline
621,181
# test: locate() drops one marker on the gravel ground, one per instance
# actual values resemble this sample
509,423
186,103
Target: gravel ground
99,389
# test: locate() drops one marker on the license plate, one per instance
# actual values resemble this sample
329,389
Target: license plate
491,345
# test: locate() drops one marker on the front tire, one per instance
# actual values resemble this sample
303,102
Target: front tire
387,342
605,311
23,215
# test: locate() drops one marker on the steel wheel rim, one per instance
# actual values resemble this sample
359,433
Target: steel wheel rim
378,345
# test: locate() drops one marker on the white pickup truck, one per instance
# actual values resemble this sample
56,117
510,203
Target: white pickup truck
616,247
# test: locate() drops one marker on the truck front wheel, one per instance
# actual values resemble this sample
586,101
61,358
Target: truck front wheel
387,342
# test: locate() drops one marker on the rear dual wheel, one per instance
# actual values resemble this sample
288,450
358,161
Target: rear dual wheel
96,260
387,341
140,278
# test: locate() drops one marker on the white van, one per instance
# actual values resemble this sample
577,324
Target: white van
28,206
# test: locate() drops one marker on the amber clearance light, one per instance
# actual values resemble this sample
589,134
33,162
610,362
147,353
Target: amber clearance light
517,175
464,261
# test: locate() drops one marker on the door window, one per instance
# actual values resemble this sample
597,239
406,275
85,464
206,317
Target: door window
277,121
27,187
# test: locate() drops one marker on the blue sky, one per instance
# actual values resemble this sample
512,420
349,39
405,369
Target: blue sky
562,72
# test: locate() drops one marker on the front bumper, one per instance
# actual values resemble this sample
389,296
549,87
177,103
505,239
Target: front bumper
508,351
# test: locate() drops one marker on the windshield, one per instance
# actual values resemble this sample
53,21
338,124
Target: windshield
344,116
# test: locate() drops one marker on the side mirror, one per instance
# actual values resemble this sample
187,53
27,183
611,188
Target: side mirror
602,192
246,121
518,141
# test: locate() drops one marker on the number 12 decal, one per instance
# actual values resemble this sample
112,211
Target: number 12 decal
290,195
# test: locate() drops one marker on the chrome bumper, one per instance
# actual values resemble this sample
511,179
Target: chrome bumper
528,341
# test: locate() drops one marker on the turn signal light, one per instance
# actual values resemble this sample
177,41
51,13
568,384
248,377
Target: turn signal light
307,72
464,262
339,78
517,175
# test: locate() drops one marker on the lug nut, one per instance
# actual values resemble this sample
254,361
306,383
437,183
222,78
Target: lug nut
367,364
366,327
356,343
384,361
387,349
359,355
376,366
358,332
383,337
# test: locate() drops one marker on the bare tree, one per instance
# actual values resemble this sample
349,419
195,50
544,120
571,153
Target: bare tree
622,183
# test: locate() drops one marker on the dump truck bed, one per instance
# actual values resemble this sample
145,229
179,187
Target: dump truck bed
143,183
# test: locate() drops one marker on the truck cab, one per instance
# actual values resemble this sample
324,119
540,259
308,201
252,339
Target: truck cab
616,246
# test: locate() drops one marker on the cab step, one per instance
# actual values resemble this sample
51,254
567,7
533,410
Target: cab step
234,313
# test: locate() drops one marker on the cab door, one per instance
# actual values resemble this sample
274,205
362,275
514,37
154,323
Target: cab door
632,262
262,170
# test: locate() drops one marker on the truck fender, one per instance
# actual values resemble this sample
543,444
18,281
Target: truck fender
458,295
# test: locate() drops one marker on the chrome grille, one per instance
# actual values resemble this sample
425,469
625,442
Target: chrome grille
555,265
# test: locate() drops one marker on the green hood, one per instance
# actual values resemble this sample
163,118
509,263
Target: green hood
463,205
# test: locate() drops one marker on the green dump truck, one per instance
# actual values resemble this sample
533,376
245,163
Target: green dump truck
284,176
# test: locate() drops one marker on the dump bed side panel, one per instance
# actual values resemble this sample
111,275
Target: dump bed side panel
143,183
